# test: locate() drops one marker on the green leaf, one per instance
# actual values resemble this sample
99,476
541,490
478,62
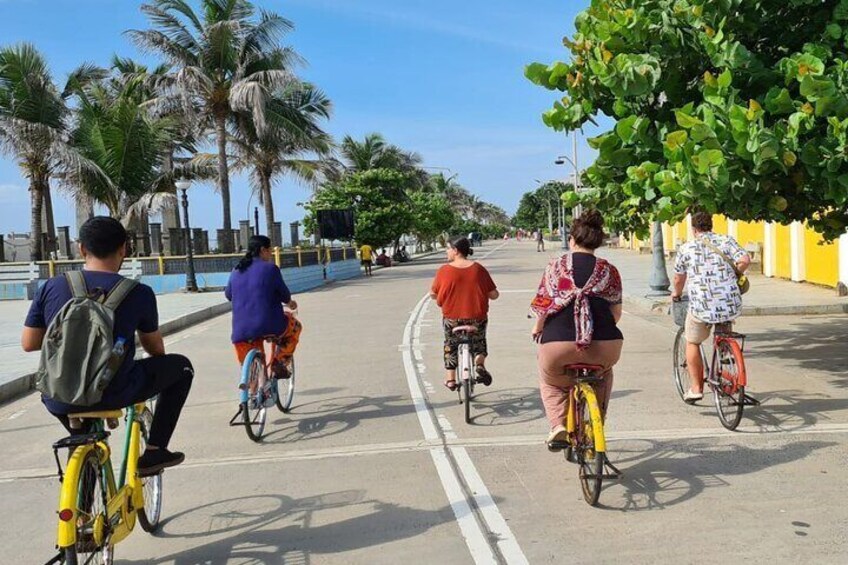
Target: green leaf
779,101
707,159
834,30
686,121
625,128
700,132
816,88
537,73
725,78
840,13
676,140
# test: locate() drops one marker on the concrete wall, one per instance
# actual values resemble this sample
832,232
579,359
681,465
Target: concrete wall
298,279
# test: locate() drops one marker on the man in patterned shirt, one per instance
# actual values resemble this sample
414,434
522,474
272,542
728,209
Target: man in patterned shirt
714,297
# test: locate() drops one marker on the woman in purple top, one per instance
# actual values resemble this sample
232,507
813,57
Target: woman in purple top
258,293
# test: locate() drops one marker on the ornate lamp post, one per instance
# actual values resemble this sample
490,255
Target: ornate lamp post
191,279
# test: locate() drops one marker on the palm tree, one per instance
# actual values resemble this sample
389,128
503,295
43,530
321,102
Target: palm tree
301,151
374,152
226,60
454,193
33,128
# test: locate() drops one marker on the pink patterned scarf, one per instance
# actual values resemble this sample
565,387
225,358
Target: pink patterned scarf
557,290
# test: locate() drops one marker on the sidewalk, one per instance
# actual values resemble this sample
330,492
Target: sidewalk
767,297
176,312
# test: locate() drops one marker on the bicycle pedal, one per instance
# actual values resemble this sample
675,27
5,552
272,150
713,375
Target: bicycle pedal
557,446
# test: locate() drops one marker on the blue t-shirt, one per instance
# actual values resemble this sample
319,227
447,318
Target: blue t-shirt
258,295
136,313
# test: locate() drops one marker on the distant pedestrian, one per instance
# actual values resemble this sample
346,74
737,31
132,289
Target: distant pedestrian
540,241
366,253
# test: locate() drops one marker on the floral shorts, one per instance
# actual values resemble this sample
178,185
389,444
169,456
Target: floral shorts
478,340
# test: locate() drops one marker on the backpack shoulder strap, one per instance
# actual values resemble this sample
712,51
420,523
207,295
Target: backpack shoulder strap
723,255
119,292
76,282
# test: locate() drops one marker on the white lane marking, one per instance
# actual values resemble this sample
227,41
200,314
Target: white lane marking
507,544
445,424
475,539
424,419
519,291
455,444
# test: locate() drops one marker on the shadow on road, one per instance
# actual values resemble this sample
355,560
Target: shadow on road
813,343
324,418
277,529
660,474
507,407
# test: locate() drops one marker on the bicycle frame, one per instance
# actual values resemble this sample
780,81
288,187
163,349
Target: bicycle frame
733,340
594,413
124,497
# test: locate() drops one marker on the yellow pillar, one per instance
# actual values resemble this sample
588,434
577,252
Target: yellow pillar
299,258
783,252
161,265
277,256
822,260
51,268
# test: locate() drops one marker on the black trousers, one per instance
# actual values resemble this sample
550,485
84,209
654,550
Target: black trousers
168,376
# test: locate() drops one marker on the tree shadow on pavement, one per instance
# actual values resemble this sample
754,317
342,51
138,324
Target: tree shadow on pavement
328,417
814,343
277,529
506,407
659,474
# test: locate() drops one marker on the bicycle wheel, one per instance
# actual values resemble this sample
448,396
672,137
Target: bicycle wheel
92,539
253,409
681,366
591,463
285,390
148,517
467,381
729,395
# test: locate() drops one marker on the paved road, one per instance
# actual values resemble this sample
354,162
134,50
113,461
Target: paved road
375,465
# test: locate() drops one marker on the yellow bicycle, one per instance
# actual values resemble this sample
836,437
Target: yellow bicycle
586,442
98,509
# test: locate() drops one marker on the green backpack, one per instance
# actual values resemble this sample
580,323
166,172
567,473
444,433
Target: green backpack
79,356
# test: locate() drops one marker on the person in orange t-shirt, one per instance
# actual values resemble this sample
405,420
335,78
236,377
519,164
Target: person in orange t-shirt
462,289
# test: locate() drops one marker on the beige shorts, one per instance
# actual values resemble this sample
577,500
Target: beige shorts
697,331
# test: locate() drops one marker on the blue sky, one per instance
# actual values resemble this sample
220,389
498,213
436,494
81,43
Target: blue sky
439,77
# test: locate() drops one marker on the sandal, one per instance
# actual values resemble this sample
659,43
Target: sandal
484,377
451,385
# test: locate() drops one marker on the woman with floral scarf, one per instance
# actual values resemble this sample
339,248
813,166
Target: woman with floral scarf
577,309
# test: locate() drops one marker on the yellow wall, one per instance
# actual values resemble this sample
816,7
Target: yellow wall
748,232
822,260
720,225
783,252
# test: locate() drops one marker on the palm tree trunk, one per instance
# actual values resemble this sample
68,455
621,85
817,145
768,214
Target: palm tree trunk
265,185
49,222
36,194
224,180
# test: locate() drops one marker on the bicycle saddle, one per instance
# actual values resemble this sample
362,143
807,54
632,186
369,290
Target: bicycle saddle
98,415
466,329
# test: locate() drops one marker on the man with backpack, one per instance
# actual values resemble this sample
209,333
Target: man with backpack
85,323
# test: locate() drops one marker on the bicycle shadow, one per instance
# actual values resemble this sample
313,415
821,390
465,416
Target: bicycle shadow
783,410
290,531
329,417
506,407
660,474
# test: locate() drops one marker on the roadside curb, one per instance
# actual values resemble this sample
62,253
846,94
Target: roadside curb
24,384
660,307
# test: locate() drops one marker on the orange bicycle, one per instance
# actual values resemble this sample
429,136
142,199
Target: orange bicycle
726,377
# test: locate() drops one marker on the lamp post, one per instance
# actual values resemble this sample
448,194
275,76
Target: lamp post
191,279
256,222
659,276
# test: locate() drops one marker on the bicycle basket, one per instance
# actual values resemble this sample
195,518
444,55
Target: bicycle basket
679,310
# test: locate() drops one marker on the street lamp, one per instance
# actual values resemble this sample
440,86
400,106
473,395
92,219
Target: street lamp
191,279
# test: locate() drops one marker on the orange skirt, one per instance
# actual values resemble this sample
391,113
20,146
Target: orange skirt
288,342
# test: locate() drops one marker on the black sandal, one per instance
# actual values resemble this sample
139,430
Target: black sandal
451,385
484,377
